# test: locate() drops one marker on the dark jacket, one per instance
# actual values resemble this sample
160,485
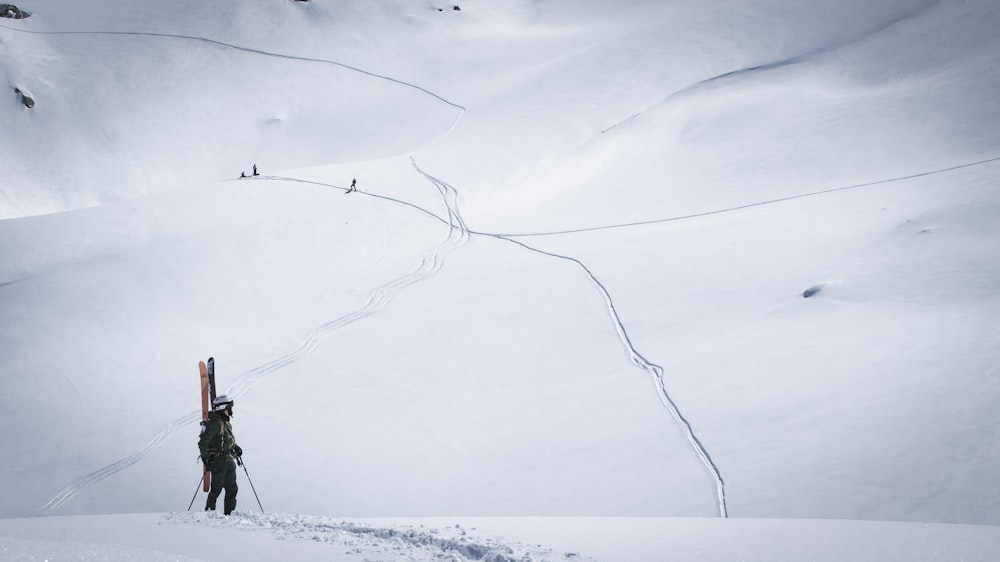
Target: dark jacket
217,441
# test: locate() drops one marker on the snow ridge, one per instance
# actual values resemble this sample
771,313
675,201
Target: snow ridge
816,52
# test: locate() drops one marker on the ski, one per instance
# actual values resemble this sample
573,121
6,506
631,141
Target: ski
203,371
211,377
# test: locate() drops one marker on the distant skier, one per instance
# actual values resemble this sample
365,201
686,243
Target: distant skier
220,452
243,174
354,186
255,170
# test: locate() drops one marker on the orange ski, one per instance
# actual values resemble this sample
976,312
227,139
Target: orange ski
203,369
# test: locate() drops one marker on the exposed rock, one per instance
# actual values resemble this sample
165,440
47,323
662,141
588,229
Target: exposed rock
813,291
26,98
12,11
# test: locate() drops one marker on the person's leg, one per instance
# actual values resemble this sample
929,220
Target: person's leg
231,488
218,481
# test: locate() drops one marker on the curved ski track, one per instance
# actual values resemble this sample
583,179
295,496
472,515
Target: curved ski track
430,263
254,51
74,487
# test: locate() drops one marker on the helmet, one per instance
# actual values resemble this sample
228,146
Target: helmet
222,402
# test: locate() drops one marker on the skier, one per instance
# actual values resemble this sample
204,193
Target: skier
220,452
354,184
255,169
243,174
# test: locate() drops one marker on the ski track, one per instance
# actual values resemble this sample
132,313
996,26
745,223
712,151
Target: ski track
748,205
254,51
654,370
76,486
430,263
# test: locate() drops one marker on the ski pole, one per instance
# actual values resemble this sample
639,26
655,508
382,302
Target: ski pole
239,460
196,492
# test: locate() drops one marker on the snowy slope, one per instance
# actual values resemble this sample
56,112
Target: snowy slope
571,283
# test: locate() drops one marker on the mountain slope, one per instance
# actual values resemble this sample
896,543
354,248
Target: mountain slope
572,282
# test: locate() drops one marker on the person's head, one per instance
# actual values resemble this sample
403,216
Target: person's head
223,403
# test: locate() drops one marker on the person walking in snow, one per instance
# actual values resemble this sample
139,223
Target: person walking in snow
220,453
354,184
255,169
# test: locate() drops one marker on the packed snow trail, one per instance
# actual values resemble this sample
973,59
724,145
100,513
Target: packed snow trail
342,188
389,542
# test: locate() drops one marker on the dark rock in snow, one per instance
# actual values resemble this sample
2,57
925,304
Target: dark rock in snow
812,291
12,11
26,98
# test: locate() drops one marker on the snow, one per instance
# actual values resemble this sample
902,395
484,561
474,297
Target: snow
563,317
242,536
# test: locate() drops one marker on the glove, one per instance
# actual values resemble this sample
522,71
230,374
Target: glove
237,451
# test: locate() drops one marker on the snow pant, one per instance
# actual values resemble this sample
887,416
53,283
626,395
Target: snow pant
223,476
